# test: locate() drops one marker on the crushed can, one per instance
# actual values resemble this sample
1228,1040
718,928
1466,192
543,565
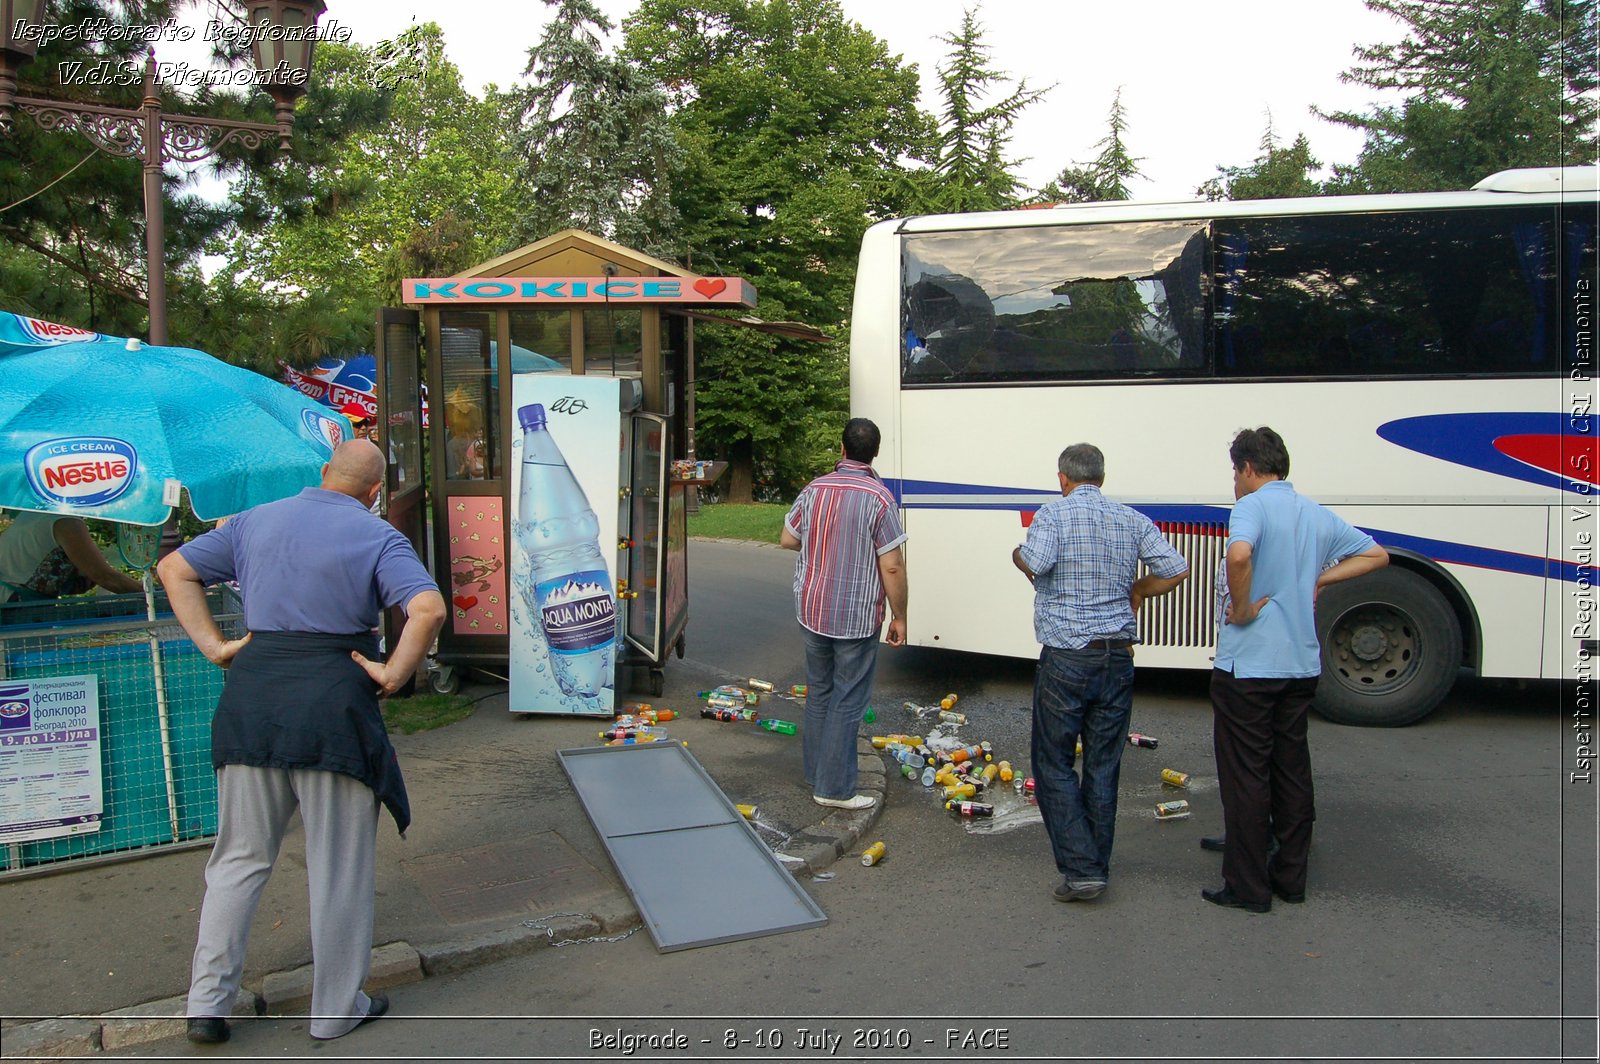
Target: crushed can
1173,778
1172,810
872,854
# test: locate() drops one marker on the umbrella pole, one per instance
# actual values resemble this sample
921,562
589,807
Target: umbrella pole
161,703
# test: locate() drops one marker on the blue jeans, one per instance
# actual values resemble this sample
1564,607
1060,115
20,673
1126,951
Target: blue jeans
1087,693
838,685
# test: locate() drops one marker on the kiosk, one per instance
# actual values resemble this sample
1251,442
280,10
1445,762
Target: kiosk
507,334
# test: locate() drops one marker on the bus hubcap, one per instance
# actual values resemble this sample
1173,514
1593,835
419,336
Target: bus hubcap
1375,647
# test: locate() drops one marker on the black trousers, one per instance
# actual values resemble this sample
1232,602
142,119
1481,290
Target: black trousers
1264,774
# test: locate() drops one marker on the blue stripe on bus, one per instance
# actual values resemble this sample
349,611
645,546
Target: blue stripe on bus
1437,549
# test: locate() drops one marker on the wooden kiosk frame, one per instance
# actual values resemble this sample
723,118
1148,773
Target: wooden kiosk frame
570,303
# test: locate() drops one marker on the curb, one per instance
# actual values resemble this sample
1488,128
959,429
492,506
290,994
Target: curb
288,992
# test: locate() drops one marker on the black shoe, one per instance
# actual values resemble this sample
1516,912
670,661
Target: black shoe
1229,900
208,1030
1219,843
379,1005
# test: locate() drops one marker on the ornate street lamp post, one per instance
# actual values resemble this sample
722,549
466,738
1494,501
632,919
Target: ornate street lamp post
282,39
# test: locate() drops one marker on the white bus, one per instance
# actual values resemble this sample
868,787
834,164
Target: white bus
1416,352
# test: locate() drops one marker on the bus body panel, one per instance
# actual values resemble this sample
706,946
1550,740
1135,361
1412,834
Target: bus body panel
1461,474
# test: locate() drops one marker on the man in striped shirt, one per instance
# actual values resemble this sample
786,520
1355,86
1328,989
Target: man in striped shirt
1082,556
848,533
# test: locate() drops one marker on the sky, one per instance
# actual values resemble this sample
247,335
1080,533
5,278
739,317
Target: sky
1198,79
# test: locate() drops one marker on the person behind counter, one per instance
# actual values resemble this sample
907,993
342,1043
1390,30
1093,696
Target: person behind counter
45,556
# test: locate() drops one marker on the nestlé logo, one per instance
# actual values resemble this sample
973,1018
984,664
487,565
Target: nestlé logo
81,470
48,332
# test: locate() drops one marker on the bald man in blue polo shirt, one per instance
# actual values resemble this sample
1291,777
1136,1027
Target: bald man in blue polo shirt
298,724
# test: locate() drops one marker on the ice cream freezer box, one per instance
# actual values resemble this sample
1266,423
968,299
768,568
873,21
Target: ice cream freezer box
105,735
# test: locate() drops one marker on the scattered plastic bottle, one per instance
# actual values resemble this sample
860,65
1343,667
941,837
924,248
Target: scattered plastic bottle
1135,739
1007,773
991,772
626,733
970,808
928,775
728,713
870,716
949,700
571,588
910,773
872,854
960,790
782,727
906,756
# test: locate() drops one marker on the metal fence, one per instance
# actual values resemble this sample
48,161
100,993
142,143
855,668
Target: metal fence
152,737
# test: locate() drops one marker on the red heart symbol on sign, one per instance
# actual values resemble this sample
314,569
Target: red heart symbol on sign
710,286
466,602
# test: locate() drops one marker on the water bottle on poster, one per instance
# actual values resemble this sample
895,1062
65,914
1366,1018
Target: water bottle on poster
568,588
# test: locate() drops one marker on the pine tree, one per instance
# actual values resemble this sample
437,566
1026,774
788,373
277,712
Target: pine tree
970,171
1490,84
598,151
1107,177
1276,173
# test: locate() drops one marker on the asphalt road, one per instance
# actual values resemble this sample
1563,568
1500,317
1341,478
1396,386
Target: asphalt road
1451,907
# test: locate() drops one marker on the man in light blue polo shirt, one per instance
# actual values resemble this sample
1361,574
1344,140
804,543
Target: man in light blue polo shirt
1282,548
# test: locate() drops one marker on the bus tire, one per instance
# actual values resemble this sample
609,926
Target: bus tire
1391,648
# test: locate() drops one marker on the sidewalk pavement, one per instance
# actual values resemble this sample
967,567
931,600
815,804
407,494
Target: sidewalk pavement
500,859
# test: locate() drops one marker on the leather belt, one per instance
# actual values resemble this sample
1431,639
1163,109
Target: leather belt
1109,644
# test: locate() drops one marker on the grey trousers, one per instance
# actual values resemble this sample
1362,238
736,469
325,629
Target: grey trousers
254,806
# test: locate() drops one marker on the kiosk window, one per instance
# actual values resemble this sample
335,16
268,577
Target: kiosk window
471,396
541,340
612,340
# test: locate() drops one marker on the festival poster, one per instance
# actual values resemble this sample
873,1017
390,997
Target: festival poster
564,637
50,783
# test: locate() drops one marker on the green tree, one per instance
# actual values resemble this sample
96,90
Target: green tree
1489,84
970,170
597,150
403,170
1277,173
1107,177
797,129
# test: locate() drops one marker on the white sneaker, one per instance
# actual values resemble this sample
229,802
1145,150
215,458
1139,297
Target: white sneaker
858,801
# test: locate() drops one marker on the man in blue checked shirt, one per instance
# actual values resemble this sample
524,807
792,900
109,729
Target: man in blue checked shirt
1082,555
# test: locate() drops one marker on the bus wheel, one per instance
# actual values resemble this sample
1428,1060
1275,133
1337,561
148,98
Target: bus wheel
1391,647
